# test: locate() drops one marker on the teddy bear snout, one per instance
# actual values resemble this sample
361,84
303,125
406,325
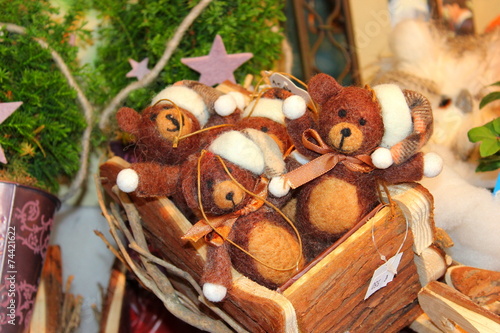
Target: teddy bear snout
227,195
172,123
346,137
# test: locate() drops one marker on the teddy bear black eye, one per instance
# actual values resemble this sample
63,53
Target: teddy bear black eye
264,129
210,184
342,113
153,117
445,101
362,121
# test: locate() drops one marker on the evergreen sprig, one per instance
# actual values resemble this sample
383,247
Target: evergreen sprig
140,29
41,139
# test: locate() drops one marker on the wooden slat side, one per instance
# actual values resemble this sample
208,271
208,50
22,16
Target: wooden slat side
330,297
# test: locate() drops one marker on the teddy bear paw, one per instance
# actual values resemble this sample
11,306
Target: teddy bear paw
433,165
127,180
279,187
382,158
294,107
214,292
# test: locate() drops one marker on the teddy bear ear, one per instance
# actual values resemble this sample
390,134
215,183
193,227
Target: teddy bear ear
128,119
322,86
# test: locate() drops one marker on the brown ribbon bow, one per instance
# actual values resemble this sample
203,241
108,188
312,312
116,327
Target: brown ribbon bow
217,228
326,162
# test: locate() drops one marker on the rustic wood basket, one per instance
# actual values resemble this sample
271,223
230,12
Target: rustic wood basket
328,295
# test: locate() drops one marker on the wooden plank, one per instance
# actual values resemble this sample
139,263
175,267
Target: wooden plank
49,300
113,303
330,296
451,311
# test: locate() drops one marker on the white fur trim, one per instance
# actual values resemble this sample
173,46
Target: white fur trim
294,107
433,165
235,147
214,292
273,158
267,108
239,98
395,112
279,187
127,180
187,99
302,159
225,105
382,158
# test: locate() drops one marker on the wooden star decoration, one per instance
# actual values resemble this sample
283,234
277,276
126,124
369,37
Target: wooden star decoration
6,109
217,66
139,69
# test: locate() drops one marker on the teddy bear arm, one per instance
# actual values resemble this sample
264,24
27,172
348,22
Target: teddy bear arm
156,179
410,171
128,120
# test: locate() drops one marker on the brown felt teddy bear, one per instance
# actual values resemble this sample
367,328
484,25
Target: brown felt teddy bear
359,138
161,132
243,231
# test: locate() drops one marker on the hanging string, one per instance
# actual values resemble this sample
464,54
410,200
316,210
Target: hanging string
200,203
391,204
180,137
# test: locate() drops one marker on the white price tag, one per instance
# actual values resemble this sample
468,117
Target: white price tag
281,81
384,274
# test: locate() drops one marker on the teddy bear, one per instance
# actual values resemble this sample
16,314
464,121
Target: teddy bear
359,139
163,134
242,230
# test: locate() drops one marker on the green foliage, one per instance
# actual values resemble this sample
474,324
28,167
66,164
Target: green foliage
489,136
139,30
41,139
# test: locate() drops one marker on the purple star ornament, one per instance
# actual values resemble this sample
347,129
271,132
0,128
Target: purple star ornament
217,66
6,109
139,69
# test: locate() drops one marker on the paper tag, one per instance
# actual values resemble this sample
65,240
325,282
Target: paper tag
281,81
384,274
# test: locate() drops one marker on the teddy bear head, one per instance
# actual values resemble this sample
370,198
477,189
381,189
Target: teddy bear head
220,175
386,122
156,129
350,117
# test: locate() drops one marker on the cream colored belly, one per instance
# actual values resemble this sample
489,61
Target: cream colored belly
336,207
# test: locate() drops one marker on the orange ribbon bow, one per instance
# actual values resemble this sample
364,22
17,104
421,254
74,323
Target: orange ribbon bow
326,162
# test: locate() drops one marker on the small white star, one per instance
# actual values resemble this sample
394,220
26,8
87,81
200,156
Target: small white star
139,69
217,66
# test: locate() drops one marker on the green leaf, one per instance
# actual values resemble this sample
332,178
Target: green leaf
489,163
480,133
493,96
489,147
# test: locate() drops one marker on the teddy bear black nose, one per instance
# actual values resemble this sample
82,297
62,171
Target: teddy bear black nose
346,132
230,196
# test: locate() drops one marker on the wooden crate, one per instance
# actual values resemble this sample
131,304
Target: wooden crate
328,295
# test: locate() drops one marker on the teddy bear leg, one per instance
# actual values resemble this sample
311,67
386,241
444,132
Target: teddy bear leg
217,277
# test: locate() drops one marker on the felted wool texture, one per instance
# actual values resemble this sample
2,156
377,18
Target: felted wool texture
213,173
150,145
237,148
156,180
276,131
217,269
187,99
267,236
274,165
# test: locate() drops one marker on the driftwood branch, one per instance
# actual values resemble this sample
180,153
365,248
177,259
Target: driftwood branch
149,274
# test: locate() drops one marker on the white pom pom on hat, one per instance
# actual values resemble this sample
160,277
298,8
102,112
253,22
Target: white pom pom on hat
294,107
185,98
